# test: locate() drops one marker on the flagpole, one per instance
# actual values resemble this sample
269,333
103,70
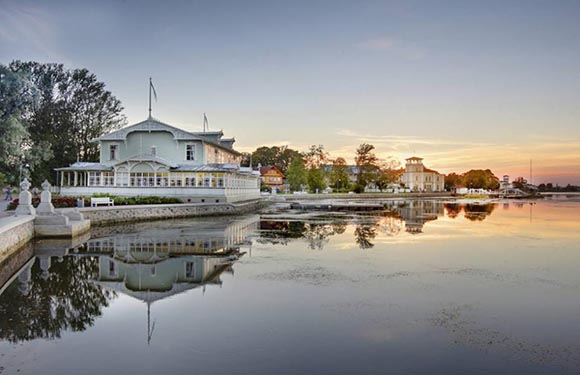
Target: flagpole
150,97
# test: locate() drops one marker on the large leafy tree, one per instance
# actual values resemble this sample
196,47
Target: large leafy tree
71,108
279,156
316,180
452,180
480,179
296,174
389,172
367,162
339,175
18,98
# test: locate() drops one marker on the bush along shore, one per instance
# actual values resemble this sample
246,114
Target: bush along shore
63,202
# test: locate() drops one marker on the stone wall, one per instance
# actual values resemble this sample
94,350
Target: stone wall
14,262
119,214
15,232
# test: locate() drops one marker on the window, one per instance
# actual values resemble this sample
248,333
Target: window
190,270
153,150
113,152
190,152
112,269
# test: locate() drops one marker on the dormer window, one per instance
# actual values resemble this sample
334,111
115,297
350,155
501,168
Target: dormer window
190,152
113,152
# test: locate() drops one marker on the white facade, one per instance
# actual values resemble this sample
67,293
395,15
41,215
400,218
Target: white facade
417,177
152,158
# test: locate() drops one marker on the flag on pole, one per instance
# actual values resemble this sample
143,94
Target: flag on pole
153,89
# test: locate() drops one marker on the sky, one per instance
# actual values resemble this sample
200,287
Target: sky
463,84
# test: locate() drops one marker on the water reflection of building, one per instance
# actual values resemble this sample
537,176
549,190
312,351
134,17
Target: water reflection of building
416,213
149,265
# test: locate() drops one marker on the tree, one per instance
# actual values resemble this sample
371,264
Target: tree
316,156
452,180
339,175
480,179
279,156
316,180
245,159
296,174
520,183
367,162
389,172
18,97
73,108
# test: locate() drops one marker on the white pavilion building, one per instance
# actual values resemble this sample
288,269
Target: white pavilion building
152,158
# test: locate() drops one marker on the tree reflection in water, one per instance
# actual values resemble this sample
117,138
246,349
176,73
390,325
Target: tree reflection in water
48,304
363,234
478,212
472,211
399,216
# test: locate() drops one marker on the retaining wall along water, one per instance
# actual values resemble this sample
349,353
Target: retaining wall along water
118,214
15,232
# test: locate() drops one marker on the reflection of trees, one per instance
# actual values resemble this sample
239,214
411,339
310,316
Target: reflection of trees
317,234
65,300
453,209
279,232
363,234
478,212
473,212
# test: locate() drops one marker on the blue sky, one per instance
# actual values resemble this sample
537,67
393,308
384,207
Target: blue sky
464,84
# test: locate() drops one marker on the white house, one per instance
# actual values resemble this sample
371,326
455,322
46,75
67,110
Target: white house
417,177
152,158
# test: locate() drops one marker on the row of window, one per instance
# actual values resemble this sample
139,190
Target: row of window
163,179
189,269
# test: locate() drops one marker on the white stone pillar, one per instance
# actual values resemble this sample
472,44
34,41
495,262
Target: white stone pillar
25,200
45,207
76,178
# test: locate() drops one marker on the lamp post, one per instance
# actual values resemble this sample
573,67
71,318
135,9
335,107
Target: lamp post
22,166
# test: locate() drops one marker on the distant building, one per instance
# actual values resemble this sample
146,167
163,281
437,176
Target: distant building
417,177
505,183
272,177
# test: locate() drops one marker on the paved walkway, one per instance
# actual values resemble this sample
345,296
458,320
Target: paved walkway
3,212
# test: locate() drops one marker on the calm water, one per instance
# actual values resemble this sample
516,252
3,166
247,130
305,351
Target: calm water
425,287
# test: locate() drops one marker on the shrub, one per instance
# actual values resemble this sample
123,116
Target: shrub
62,202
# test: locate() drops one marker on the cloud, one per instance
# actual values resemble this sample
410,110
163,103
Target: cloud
377,44
395,47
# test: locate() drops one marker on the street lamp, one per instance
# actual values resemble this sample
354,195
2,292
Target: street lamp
22,166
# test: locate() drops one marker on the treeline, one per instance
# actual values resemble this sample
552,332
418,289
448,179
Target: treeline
315,170
550,187
473,179
48,116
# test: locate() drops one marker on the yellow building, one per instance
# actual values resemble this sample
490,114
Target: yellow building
417,177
